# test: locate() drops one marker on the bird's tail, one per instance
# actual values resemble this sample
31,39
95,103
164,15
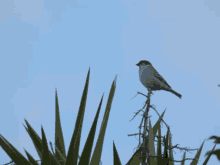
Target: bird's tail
175,93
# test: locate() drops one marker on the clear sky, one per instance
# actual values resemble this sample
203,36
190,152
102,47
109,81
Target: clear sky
48,44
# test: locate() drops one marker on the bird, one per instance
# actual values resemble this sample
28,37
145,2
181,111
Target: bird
152,80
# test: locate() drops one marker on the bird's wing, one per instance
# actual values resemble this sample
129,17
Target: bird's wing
157,75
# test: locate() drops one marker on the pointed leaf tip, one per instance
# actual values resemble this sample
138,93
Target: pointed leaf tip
116,77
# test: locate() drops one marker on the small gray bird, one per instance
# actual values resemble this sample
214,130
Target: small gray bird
152,80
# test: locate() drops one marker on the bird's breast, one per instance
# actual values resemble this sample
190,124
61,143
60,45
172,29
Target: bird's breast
145,74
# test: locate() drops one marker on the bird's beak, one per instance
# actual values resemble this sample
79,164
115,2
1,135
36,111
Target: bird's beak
137,64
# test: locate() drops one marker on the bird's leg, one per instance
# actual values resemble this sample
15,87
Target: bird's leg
149,92
148,95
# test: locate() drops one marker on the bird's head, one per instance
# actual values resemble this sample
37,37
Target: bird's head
143,62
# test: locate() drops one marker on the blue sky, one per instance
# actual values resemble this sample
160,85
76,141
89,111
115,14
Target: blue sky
51,44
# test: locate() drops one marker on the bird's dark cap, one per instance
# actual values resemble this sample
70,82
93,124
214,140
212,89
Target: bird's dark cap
143,62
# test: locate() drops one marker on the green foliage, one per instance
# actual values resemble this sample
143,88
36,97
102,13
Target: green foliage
73,158
59,157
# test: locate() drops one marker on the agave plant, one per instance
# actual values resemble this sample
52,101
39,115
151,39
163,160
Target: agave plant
72,157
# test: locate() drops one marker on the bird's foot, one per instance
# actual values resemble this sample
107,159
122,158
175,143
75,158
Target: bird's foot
149,92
